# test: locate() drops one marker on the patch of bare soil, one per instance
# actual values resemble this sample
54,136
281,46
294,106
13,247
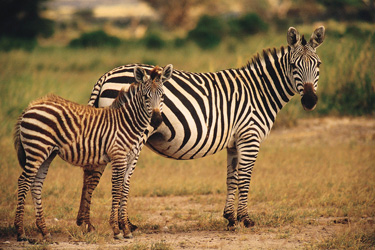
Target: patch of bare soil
177,215
263,238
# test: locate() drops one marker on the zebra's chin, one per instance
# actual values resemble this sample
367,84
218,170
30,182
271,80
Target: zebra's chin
309,98
156,119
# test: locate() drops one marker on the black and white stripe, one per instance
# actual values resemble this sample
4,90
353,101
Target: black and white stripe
87,137
232,109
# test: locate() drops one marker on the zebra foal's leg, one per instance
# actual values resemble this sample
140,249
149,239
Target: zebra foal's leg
118,174
36,192
25,181
124,222
91,179
248,148
232,182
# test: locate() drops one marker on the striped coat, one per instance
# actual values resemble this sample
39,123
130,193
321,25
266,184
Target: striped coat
87,137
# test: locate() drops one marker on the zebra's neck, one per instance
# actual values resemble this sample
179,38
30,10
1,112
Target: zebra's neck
129,105
270,76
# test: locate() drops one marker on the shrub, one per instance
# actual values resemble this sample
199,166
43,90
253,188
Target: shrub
208,33
248,24
355,98
9,43
95,39
153,41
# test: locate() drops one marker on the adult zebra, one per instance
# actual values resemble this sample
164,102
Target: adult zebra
233,109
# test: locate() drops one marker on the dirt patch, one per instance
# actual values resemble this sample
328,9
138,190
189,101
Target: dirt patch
258,238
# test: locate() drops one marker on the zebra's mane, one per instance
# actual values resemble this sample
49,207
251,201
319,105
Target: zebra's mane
124,96
256,59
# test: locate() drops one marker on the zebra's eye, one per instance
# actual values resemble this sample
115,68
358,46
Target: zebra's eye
293,65
319,63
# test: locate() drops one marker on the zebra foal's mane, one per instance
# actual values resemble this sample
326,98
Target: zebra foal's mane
124,96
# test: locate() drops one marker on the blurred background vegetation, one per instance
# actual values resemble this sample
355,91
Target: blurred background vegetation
64,46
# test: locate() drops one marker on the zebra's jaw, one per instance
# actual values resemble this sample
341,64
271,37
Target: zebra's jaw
309,98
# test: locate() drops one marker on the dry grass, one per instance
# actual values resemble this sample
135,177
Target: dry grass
318,174
306,177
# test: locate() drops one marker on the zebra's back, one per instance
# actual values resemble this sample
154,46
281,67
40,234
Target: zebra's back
76,131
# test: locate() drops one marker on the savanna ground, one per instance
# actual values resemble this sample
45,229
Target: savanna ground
313,185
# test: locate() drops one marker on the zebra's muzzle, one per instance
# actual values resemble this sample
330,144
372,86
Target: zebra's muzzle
309,98
156,118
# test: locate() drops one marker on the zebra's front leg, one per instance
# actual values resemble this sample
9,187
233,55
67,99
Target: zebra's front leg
232,182
118,174
125,223
248,149
91,179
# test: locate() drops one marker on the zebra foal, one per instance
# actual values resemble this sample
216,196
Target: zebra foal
87,137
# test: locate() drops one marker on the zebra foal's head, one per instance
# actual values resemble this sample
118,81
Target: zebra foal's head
304,65
152,90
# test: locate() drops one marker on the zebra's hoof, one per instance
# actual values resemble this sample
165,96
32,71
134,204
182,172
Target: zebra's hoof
129,236
231,226
132,227
22,238
47,238
118,237
248,223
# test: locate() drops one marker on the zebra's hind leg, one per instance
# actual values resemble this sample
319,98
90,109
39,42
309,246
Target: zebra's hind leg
24,183
36,192
26,179
248,149
91,179
232,182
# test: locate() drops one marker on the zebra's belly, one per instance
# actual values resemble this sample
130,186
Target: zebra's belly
179,145
83,158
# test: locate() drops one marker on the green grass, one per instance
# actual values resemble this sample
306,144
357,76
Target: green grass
295,181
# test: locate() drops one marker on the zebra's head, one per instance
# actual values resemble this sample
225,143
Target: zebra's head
304,65
153,91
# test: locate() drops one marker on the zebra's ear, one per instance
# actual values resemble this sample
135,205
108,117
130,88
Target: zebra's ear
140,74
167,73
293,37
317,37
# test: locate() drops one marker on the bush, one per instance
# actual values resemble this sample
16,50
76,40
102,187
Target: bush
352,98
95,39
355,98
153,41
208,33
9,43
248,24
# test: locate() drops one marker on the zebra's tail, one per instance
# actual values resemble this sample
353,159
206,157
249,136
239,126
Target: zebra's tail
21,155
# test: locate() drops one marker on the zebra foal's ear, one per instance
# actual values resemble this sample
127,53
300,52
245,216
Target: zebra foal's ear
293,37
140,74
167,73
317,37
